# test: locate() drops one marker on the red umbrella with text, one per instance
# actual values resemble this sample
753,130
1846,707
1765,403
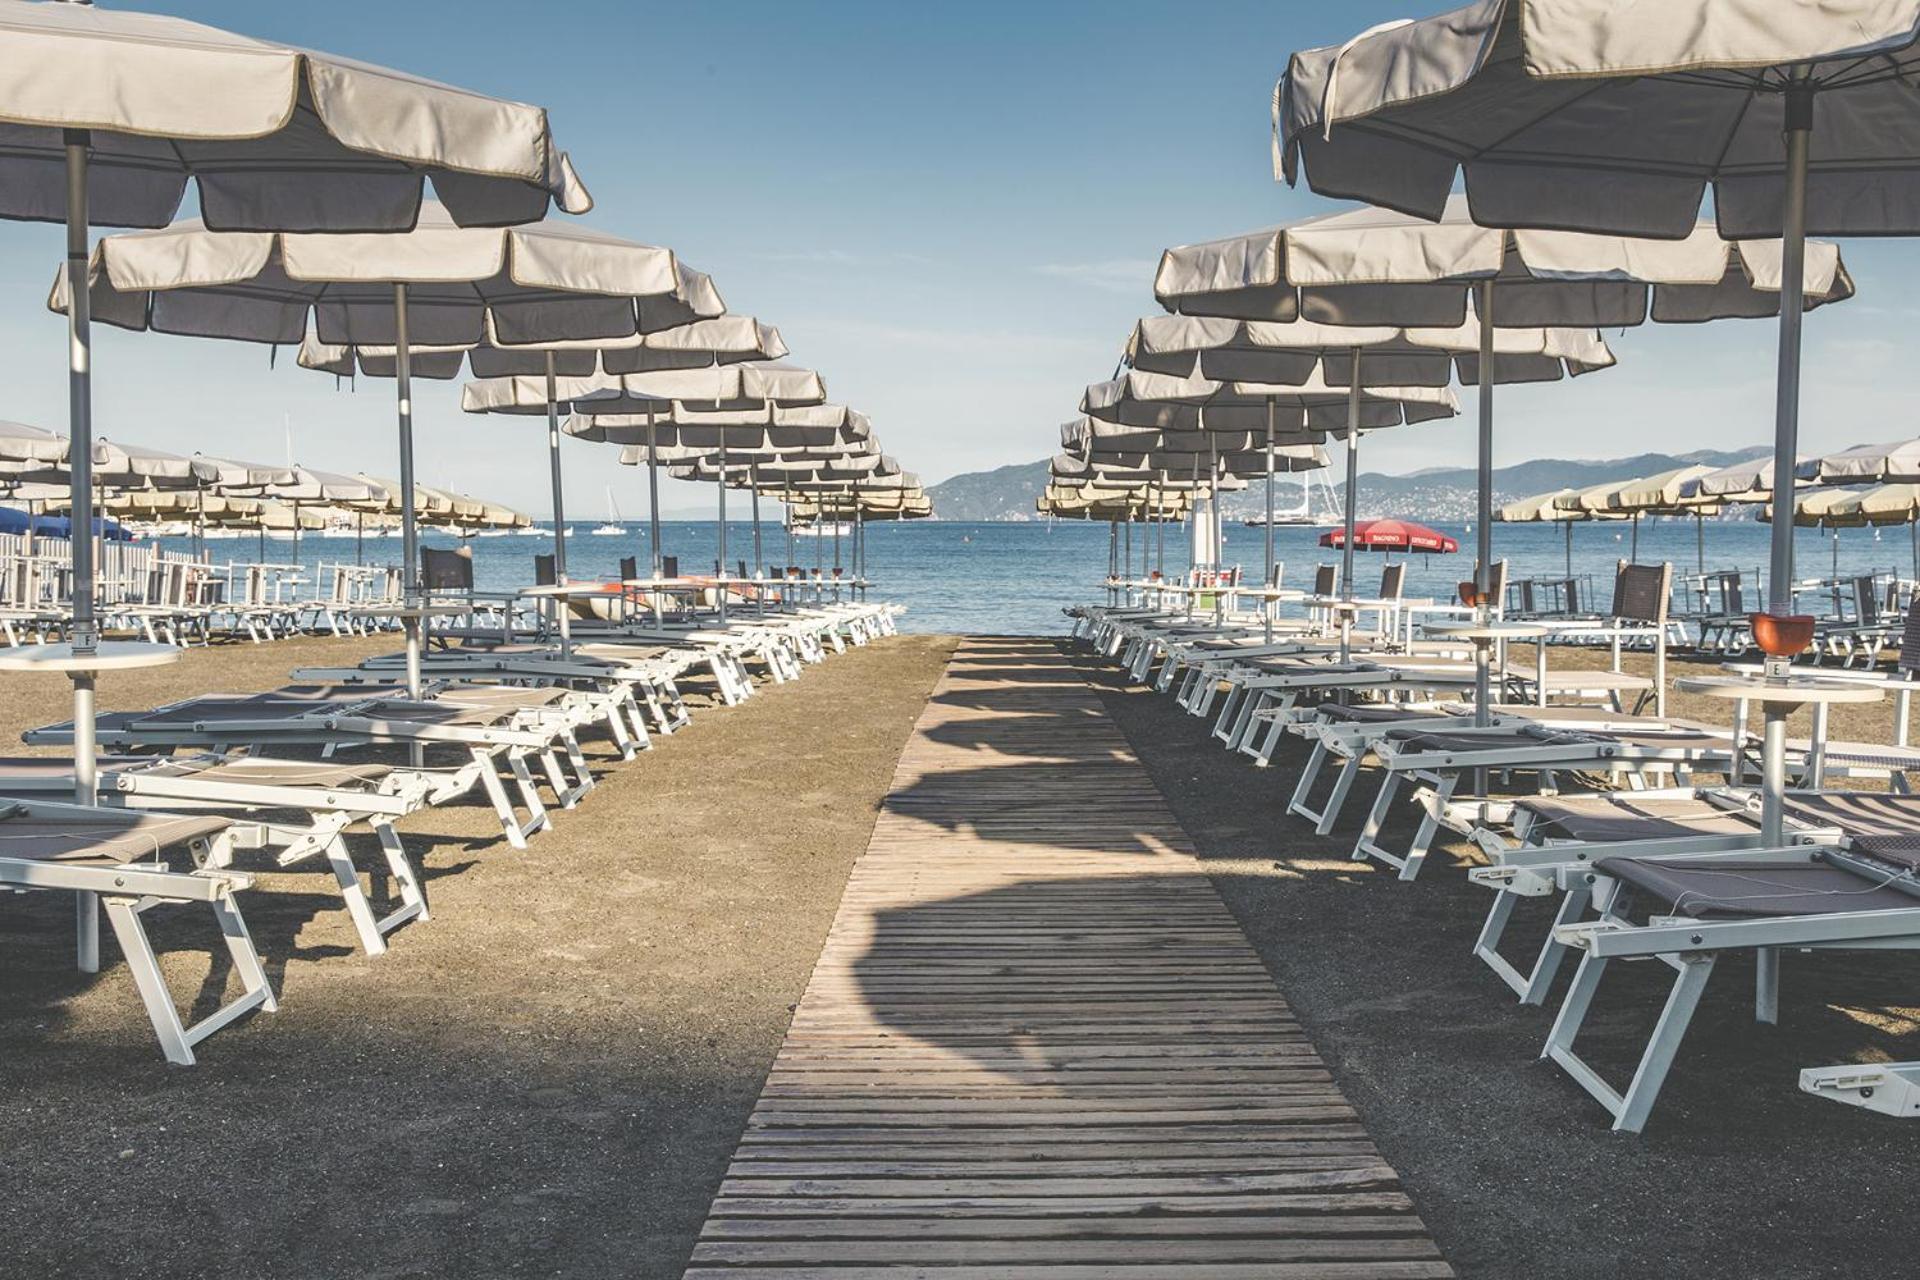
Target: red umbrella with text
1391,535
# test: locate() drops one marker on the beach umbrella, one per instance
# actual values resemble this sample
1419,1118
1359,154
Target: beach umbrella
1897,462
1672,492
113,113
440,283
1595,116
1392,535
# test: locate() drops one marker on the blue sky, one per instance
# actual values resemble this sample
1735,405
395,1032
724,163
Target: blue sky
952,211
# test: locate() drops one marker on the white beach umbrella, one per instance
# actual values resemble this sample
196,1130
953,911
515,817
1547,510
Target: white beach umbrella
1589,115
1895,462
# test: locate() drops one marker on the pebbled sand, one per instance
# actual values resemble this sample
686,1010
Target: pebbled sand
545,1079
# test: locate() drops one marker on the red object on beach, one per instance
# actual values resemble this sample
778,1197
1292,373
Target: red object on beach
1391,535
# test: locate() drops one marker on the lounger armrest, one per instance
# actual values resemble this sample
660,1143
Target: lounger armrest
260,795
123,881
1611,940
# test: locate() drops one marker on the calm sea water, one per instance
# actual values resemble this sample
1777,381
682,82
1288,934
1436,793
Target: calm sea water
1014,578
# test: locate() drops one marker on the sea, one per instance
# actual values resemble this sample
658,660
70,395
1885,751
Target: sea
1014,578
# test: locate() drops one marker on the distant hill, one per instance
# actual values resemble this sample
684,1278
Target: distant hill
1441,494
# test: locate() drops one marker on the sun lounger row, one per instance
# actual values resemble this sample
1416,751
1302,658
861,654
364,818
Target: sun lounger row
1637,826
190,788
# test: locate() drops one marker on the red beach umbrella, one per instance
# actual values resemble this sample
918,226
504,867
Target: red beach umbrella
1391,535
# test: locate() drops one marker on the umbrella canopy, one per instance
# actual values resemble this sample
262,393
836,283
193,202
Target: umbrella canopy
1164,401
723,339
737,388
545,282
1897,462
1665,492
1749,481
1296,351
1377,267
274,136
1591,115
1391,535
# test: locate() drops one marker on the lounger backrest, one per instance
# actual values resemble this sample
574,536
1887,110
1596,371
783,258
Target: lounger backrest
1326,580
629,568
1909,659
444,570
1392,579
1641,591
1731,603
1279,571
256,589
544,574
670,566
1866,600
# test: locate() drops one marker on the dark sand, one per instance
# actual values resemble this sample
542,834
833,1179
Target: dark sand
546,1079
1738,1175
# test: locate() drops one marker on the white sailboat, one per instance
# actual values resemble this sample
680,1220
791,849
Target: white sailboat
612,528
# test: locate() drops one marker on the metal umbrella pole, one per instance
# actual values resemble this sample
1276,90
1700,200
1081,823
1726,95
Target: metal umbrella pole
1483,517
720,578
82,631
1266,579
561,607
1160,528
1786,442
753,486
1347,531
409,531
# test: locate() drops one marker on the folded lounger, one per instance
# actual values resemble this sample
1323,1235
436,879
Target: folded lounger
113,858
335,798
1862,894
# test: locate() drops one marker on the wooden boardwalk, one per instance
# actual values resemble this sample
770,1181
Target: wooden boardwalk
1038,1047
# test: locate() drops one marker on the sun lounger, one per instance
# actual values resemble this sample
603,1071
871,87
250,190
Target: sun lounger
111,858
1861,893
333,719
1675,750
335,797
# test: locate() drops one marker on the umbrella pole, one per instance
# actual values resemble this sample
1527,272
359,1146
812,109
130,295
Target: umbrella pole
653,493
82,632
1353,494
721,576
562,608
1266,579
1569,526
359,538
753,483
1633,544
1786,441
1160,529
409,528
1483,515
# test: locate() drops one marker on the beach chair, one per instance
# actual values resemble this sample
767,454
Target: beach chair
1859,893
334,719
1642,597
112,859
334,798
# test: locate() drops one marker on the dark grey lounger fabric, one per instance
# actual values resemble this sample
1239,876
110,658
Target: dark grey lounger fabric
1620,816
1704,887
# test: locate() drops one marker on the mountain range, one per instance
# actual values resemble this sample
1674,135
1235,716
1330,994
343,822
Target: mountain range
1437,494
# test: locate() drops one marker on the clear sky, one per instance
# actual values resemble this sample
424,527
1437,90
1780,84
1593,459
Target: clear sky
952,211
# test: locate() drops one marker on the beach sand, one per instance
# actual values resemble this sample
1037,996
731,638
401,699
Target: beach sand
547,1078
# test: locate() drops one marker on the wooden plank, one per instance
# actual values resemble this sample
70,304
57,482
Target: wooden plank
1037,1046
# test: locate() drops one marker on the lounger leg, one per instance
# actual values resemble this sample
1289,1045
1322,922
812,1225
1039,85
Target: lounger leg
1429,827
413,899
1309,774
355,897
564,795
1572,907
1366,846
529,792
616,718
1342,786
497,793
86,931
1766,986
1487,945
577,760
1667,1034
124,915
